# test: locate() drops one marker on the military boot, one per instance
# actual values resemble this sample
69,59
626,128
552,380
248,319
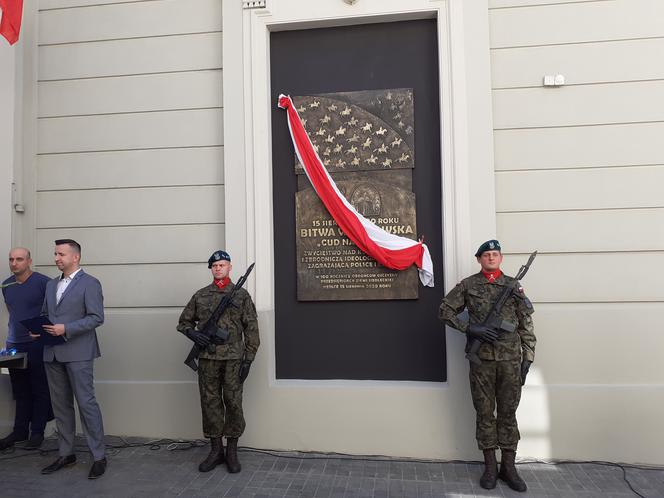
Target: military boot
490,476
215,457
232,463
508,471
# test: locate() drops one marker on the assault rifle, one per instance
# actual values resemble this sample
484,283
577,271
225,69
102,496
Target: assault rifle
216,334
493,320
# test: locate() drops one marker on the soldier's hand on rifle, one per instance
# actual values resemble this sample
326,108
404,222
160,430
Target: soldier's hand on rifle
244,370
199,338
525,366
482,333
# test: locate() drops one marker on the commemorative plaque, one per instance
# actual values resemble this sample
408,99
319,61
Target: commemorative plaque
366,142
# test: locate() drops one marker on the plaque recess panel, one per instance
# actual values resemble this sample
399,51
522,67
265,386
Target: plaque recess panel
392,339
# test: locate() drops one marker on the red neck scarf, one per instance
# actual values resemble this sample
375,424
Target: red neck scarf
222,283
492,276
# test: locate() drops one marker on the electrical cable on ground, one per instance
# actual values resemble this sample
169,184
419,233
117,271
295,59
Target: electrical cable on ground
187,444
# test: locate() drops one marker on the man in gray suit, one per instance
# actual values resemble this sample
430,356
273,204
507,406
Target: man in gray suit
75,306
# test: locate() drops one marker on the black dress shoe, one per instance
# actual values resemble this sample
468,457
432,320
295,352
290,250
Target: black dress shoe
98,469
34,442
61,462
8,442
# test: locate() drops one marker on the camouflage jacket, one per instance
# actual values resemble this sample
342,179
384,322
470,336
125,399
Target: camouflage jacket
239,319
476,294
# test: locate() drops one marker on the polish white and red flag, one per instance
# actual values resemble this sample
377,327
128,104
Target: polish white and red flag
390,250
11,12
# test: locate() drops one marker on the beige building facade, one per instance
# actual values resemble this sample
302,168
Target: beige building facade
142,130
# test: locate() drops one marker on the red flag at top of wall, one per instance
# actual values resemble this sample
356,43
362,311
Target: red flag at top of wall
10,24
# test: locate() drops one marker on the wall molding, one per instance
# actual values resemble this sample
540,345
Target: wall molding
248,147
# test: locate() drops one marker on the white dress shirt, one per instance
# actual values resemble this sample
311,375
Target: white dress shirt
63,283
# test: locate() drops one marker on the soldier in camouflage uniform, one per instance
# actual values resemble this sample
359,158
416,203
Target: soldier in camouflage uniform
221,373
495,385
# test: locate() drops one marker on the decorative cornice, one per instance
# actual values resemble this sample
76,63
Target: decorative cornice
253,4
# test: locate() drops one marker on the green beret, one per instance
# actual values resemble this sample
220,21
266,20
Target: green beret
218,256
489,245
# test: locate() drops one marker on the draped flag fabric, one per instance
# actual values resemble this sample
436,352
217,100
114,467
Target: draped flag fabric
390,250
10,25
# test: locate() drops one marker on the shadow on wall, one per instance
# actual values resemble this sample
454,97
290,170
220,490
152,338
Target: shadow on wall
590,422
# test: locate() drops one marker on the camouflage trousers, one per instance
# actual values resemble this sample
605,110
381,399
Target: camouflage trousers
496,390
221,397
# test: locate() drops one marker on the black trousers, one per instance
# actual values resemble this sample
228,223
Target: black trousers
30,390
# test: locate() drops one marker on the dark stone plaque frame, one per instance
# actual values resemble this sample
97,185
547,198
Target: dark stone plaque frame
379,340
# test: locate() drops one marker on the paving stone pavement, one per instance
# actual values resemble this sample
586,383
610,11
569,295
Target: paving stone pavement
142,471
